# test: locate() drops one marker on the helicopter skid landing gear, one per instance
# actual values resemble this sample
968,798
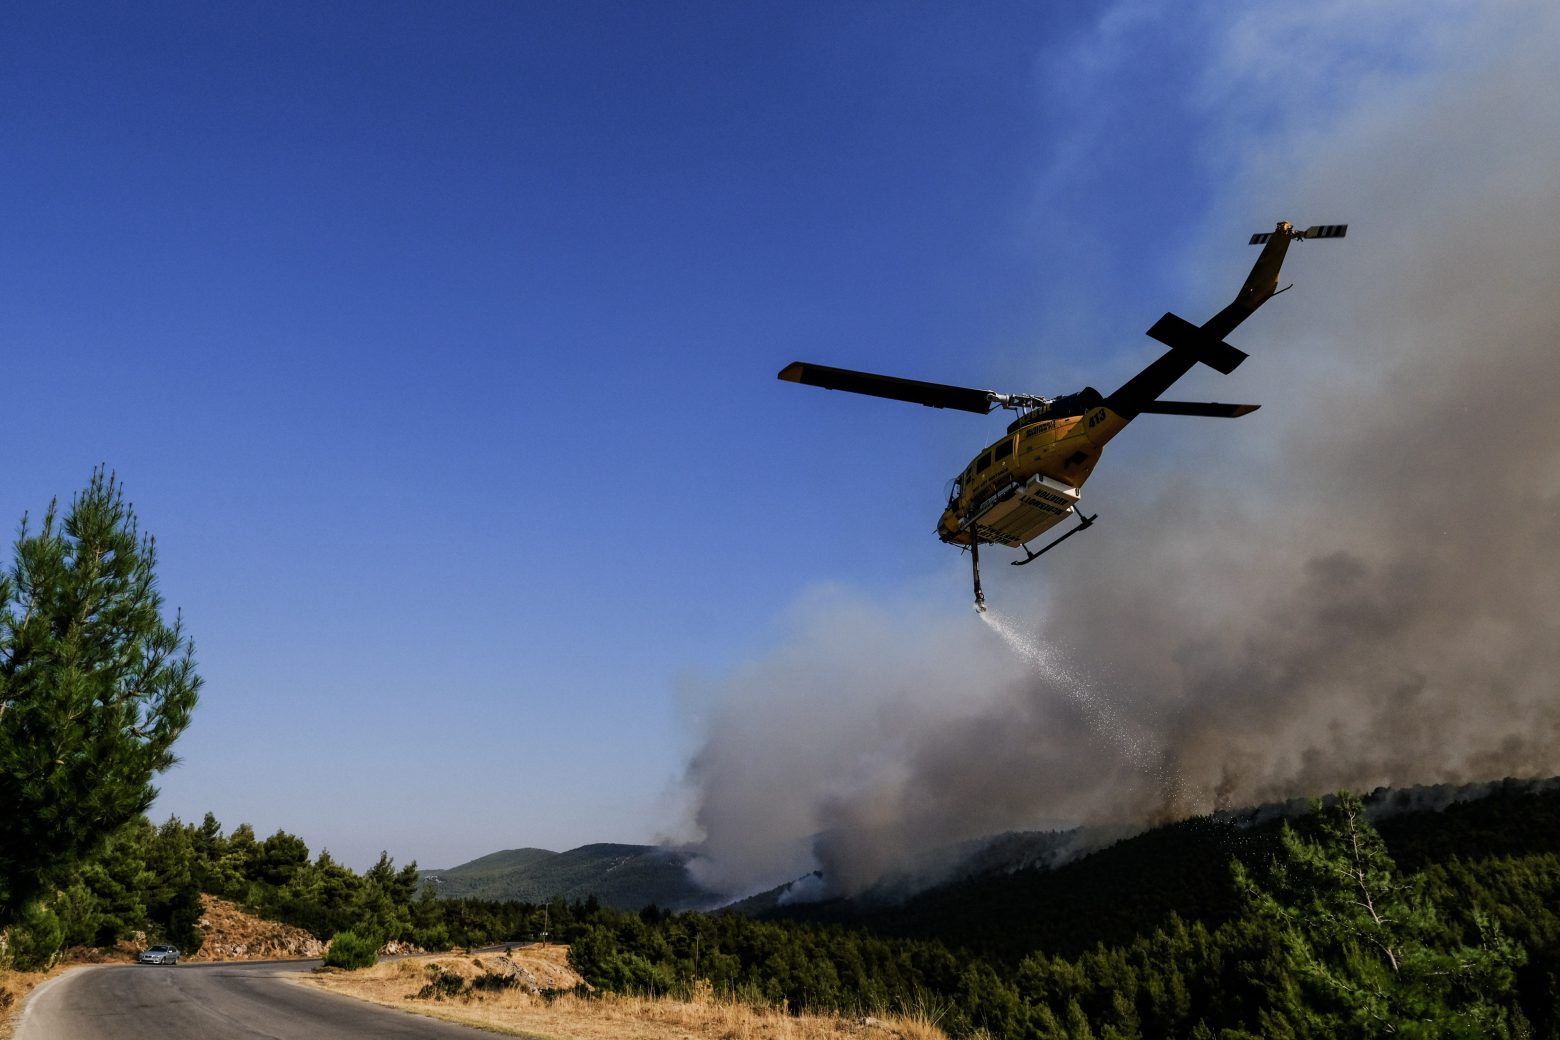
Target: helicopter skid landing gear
1084,523
980,597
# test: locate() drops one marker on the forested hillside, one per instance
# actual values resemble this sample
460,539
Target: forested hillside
1121,891
1439,924
1201,929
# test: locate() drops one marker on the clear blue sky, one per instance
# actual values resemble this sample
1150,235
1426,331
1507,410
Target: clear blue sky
436,344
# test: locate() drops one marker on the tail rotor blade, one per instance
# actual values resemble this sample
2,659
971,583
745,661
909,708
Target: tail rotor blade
1314,231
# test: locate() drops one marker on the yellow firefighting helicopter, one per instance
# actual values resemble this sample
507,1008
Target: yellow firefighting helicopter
1029,481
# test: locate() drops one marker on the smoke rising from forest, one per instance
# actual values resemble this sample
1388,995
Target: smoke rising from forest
1357,586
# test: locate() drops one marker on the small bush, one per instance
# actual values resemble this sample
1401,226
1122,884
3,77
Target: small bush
441,984
492,982
352,951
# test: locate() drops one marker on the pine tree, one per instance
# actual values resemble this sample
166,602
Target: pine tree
173,900
381,908
95,686
1370,952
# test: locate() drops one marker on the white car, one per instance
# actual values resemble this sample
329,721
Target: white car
159,955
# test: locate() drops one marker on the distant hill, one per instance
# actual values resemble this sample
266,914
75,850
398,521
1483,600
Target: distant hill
623,877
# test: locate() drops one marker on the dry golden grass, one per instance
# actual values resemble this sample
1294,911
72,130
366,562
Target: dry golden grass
14,987
604,1017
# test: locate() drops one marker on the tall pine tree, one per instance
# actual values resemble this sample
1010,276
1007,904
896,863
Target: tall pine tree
95,686
1371,954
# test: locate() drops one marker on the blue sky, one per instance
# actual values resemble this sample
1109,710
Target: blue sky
436,344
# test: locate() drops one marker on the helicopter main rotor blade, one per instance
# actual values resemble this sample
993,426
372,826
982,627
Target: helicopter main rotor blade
933,395
1212,409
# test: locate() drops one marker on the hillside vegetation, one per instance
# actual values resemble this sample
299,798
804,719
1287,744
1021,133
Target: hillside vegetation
1436,924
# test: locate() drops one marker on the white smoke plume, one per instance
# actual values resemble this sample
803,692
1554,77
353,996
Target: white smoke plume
1365,592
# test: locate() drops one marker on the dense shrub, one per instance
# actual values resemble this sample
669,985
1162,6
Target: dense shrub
352,951
33,943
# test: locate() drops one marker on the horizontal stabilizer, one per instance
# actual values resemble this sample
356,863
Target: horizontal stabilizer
1177,333
1314,231
933,395
1211,409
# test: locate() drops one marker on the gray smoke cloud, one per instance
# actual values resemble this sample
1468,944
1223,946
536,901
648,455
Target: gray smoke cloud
1358,586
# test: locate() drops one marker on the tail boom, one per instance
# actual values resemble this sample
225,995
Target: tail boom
1190,344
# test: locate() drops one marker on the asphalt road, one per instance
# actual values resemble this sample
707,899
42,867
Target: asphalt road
241,1001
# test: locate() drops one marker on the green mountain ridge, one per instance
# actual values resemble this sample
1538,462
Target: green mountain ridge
622,877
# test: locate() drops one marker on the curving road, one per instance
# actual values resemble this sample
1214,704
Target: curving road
241,1001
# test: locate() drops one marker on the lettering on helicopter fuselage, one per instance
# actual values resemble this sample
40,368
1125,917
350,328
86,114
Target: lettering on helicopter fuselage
1097,418
1030,442
1041,496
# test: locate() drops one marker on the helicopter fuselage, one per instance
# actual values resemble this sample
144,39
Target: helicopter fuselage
1028,481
